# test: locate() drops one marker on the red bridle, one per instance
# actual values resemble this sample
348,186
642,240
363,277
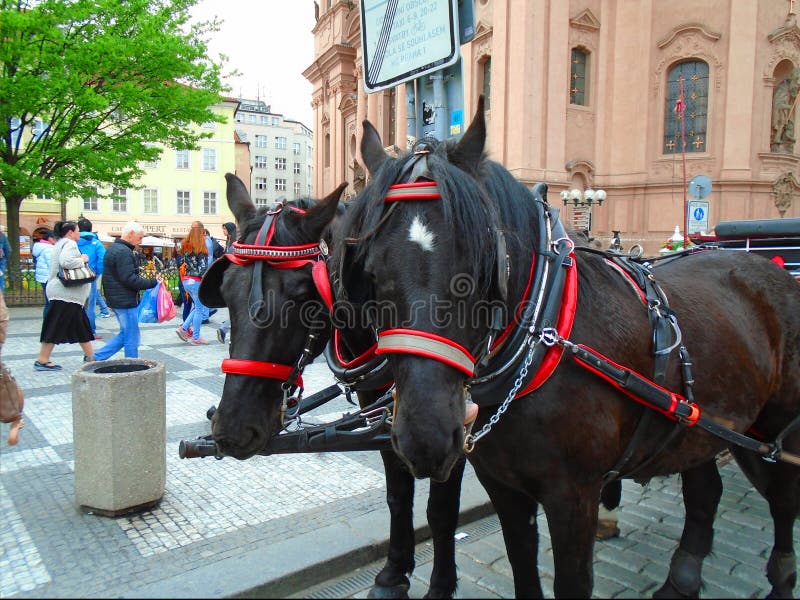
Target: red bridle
279,257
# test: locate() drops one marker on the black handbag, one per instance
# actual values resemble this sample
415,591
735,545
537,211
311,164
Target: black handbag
79,276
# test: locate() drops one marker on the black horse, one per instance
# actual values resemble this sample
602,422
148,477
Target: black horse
277,288
562,348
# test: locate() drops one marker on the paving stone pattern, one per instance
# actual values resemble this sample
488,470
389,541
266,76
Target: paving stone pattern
633,565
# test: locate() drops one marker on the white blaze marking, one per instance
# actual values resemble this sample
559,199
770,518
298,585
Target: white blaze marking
420,234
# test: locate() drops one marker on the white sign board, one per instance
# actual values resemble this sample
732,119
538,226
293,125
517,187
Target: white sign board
405,39
698,216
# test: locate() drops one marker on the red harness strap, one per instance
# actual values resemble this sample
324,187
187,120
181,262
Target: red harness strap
257,368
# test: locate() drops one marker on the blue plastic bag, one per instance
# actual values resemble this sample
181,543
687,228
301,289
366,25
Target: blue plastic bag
148,306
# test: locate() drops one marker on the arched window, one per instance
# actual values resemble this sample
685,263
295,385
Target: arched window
686,110
578,77
327,149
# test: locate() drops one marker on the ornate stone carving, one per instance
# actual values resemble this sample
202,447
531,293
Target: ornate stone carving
691,39
784,189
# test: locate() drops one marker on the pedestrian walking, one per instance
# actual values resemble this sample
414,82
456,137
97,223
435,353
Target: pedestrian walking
121,285
65,321
229,230
42,252
91,246
5,253
195,259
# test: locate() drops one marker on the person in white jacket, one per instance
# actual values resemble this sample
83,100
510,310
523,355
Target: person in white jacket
42,252
66,321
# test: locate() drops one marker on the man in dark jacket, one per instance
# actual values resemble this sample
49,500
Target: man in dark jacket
121,285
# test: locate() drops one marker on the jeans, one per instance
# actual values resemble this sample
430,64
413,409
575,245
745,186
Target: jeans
128,336
46,299
91,303
199,312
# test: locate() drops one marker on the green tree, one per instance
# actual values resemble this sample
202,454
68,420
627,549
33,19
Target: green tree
89,86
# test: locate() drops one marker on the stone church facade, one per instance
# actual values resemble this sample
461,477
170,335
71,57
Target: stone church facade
600,94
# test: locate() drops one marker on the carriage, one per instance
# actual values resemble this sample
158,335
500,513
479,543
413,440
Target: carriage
558,383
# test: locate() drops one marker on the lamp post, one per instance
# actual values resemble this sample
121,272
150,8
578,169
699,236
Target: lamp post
584,199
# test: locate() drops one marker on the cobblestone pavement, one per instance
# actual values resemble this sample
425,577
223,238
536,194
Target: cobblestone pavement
276,526
633,565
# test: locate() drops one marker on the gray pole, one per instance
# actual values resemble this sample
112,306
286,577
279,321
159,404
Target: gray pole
440,105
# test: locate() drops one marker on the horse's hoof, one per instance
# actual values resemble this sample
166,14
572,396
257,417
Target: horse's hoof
668,591
606,530
210,412
389,591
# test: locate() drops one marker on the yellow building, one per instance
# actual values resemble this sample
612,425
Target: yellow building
181,187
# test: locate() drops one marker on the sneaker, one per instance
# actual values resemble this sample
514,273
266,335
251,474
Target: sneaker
182,334
220,336
48,366
198,342
98,337
87,359
105,315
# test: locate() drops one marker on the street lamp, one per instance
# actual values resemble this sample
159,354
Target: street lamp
588,197
584,199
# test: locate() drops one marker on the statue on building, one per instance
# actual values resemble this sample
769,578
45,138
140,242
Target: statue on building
784,101
359,176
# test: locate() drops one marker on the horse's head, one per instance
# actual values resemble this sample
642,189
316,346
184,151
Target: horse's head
422,236
276,287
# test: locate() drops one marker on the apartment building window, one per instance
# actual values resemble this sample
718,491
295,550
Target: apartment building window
151,164
181,159
261,162
261,141
183,204
209,203
280,185
296,148
691,107
296,168
296,189
260,202
119,200
261,183
280,143
579,69
209,125
251,118
276,121
91,202
264,120
239,118
486,72
150,200
44,196
280,164
209,159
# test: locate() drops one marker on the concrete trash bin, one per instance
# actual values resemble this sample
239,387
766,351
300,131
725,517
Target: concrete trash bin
119,426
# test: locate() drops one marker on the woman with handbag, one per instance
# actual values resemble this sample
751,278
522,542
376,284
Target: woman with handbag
66,321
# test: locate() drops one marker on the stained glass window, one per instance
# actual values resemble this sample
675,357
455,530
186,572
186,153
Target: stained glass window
687,114
577,76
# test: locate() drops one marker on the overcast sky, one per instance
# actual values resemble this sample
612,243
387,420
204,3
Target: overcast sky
271,44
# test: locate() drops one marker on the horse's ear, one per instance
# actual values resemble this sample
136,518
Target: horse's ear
372,149
319,216
469,149
239,200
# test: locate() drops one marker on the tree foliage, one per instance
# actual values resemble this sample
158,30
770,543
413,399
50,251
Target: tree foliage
88,87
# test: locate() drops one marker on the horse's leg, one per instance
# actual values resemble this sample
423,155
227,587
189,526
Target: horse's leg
702,490
392,581
571,510
517,514
443,505
779,483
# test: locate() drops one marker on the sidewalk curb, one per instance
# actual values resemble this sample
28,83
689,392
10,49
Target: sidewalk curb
276,570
